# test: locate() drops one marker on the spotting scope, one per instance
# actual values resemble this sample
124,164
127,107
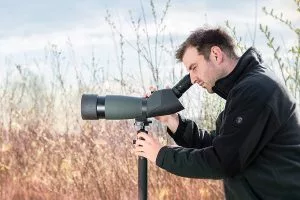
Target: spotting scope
117,107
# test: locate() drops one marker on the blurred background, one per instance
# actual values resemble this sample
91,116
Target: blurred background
51,52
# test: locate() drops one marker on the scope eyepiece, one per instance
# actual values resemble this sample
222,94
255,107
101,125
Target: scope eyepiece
182,86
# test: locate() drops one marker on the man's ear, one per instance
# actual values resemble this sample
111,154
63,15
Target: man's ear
216,54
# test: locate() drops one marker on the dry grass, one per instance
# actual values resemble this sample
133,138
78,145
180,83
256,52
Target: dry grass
38,163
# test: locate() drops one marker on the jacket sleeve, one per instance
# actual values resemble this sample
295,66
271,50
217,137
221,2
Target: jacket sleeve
248,125
188,135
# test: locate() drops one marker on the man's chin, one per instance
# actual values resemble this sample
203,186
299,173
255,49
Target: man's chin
210,91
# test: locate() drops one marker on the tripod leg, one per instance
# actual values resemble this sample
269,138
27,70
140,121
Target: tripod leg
142,178
142,165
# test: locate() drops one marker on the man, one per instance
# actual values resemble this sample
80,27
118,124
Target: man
255,148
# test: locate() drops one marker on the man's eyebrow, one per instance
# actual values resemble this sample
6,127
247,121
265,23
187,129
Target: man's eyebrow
191,65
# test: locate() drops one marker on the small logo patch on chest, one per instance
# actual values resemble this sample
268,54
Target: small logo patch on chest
238,120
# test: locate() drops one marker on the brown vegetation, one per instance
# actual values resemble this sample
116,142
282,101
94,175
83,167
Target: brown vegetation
38,163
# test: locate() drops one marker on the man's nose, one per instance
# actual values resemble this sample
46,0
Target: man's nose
193,78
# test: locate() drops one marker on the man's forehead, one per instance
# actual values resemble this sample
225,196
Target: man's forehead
191,56
190,51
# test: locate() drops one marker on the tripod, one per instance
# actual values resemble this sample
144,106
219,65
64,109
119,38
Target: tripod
141,124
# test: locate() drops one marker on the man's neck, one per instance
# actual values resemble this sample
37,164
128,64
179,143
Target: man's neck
230,65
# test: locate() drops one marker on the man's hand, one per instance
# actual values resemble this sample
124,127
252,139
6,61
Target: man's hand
172,120
163,119
148,148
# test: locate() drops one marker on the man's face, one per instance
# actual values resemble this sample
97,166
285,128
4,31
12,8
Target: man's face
204,73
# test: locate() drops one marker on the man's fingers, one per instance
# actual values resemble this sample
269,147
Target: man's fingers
140,142
142,154
144,135
139,149
152,88
148,94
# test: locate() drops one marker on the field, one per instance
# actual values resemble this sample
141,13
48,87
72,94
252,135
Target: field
40,164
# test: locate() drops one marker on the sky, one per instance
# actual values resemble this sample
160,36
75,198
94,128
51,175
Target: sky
29,28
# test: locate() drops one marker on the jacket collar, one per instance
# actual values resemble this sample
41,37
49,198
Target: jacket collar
247,62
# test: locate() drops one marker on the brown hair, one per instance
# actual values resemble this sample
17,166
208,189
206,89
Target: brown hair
205,38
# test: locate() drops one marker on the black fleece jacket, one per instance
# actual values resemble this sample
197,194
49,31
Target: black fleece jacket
255,148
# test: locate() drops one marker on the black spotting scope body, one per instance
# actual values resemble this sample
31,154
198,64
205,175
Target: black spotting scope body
116,107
